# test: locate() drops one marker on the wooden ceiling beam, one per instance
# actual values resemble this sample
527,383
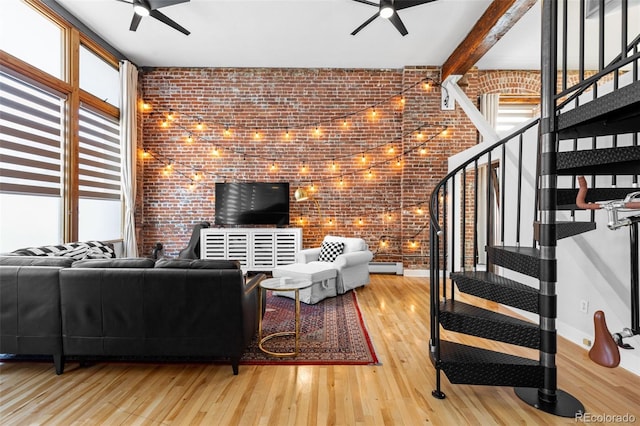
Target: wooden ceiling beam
499,17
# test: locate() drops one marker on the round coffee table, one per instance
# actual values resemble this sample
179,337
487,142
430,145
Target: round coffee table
282,284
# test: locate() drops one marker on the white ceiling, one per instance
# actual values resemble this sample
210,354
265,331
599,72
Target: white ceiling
304,34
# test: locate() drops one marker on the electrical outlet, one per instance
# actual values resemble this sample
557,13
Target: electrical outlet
584,306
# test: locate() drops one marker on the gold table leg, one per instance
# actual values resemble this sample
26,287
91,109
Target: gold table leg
295,333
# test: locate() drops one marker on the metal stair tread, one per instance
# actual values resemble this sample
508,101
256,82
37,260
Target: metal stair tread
605,161
497,288
465,364
525,260
616,112
461,308
566,229
524,251
458,352
495,279
473,320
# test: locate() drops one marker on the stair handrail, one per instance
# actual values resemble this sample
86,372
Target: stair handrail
436,231
615,64
434,194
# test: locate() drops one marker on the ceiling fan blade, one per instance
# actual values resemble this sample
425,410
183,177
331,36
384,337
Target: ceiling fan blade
165,19
367,22
397,22
403,4
125,1
135,21
157,4
365,2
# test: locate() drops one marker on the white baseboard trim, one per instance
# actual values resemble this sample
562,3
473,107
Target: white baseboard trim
386,268
416,273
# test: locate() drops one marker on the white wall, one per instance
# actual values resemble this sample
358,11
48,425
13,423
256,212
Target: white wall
592,267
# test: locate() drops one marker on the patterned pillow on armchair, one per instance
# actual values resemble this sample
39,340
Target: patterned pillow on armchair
330,250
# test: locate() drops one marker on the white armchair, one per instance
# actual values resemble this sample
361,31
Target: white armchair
352,265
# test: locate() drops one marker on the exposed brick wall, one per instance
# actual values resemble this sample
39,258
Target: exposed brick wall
390,205
509,82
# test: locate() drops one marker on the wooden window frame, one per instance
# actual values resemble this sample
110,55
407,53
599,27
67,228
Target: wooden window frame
69,85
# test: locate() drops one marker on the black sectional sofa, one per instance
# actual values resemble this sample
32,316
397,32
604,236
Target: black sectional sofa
126,308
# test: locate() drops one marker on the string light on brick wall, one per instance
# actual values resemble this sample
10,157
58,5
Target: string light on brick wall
428,82
196,179
368,169
201,125
413,241
227,131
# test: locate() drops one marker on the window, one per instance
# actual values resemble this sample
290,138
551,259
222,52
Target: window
98,77
99,177
512,115
31,37
59,146
31,154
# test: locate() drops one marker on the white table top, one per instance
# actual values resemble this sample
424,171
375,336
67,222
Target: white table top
285,284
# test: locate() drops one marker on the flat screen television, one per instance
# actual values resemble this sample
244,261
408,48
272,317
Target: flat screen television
252,203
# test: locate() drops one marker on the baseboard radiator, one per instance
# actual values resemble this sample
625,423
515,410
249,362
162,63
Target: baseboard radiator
386,268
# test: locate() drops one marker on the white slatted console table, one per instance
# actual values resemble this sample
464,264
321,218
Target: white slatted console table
257,249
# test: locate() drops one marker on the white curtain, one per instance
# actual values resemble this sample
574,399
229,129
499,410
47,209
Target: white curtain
128,153
489,104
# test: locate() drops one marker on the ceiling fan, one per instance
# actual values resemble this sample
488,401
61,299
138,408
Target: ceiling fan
142,8
388,9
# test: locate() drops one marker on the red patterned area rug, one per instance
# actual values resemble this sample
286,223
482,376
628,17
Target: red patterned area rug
332,332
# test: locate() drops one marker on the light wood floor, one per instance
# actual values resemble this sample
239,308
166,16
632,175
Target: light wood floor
398,392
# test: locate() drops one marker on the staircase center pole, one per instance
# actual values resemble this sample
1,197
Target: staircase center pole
635,275
548,398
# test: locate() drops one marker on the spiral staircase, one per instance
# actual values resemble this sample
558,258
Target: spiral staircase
591,129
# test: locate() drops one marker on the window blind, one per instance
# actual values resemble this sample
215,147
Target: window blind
99,155
30,138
